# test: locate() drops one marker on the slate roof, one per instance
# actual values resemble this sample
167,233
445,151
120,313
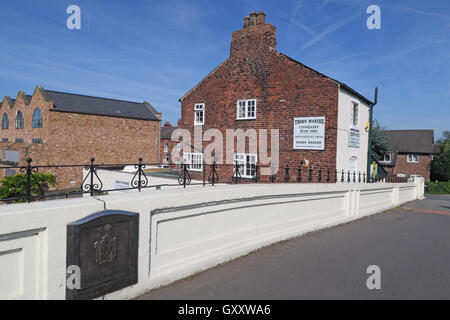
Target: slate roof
166,132
77,103
412,141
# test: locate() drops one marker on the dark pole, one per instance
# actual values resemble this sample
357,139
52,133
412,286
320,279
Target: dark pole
28,186
369,151
140,173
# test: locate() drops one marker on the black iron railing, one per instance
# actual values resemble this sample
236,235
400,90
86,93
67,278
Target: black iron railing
28,188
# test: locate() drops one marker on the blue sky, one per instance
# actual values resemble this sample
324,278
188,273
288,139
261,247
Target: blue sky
157,50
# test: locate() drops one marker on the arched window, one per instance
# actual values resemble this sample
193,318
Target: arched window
353,164
19,120
5,121
37,118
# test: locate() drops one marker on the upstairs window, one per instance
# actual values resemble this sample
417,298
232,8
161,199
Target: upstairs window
413,158
199,114
37,118
19,120
246,109
38,141
5,121
166,146
355,115
19,140
387,158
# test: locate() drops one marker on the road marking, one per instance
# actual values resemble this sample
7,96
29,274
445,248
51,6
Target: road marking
445,213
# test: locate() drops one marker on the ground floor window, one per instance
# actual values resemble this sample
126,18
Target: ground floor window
193,160
247,164
166,160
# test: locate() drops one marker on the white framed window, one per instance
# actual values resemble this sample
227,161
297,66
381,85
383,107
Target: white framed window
387,157
247,164
355,115
166,160
246,109
166,146
413,158
193,160
178,146
199,114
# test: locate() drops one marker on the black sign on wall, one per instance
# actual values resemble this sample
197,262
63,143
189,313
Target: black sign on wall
105,248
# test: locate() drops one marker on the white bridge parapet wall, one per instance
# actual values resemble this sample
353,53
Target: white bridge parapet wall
181,232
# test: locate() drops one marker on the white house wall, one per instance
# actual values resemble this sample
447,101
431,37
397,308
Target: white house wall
344,152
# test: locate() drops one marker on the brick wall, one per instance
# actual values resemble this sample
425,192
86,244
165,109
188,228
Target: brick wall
283,88
71,138
422,167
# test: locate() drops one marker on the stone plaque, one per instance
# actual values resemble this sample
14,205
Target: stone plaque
105,248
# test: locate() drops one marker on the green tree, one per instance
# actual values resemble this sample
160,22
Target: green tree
440,166
381,143
15,186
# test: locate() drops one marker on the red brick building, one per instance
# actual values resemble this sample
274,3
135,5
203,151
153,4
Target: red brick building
55,128
258,87
412,153
167,145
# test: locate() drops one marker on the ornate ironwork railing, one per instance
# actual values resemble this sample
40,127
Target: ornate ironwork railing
28,185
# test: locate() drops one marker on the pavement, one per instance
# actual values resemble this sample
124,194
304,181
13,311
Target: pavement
410,245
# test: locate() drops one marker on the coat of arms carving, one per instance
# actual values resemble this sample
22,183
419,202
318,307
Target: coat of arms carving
106,246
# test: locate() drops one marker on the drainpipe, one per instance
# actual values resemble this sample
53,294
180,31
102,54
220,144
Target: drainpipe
369,152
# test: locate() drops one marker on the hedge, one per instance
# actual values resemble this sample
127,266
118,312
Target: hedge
437,187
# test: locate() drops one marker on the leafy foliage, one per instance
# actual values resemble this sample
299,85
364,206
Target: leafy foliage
437,187
15,186
440,166
381,143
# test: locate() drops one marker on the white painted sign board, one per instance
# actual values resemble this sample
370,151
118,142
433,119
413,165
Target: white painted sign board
309,133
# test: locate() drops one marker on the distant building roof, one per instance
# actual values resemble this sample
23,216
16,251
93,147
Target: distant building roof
77,103
166,132
412,141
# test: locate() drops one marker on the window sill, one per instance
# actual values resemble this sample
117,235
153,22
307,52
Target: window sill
240,119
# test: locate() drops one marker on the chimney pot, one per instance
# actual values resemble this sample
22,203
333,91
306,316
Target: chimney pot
253,18
246,22
260,18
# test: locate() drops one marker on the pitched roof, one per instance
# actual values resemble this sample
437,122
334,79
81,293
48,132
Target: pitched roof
343,85
166,132
77,103
412,141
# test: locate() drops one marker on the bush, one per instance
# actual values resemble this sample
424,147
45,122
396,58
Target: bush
15,186
437,187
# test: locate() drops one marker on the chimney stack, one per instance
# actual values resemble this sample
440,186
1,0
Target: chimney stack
246,22
253,18
255,38
260,18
